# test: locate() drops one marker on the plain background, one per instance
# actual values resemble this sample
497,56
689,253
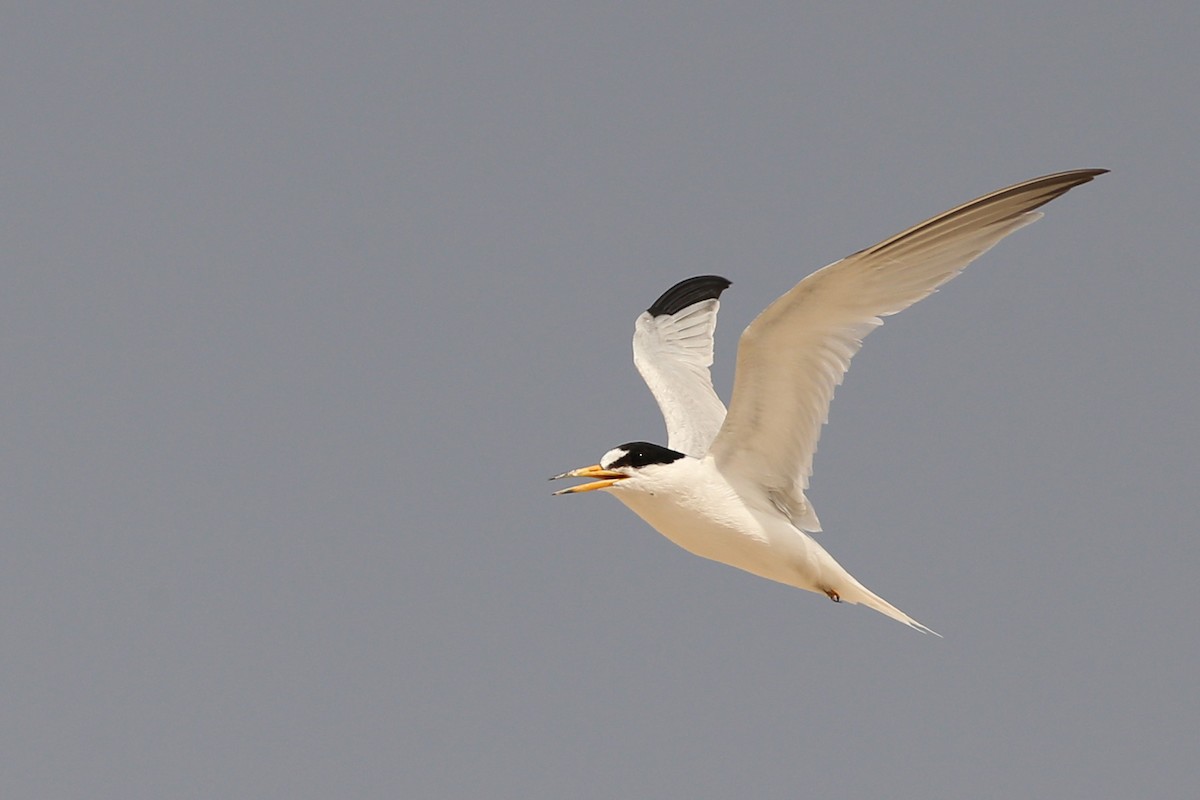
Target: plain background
302,303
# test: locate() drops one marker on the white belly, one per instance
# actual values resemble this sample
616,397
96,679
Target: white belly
712,521
695,507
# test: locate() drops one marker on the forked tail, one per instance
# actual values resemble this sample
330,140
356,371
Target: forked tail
855,592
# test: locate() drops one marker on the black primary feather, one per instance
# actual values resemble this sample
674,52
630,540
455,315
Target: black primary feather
689,292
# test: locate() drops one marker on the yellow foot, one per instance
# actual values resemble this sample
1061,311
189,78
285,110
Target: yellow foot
834,596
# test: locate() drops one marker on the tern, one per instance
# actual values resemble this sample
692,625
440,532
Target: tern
730,486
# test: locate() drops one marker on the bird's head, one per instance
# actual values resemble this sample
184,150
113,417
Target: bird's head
620,464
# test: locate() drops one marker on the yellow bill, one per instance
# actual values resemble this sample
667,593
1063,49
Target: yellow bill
595,471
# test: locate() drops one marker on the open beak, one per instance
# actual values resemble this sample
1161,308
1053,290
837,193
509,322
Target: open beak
595,471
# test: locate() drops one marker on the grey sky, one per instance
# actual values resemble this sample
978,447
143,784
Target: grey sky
303,304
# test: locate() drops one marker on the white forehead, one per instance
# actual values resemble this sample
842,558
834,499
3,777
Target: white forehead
616,454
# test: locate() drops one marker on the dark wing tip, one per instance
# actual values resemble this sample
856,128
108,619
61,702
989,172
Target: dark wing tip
689,292
1055,185
1071,178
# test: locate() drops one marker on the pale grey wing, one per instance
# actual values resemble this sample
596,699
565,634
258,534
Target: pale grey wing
673,349
793,355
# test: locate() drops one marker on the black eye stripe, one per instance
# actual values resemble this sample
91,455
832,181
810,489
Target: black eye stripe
641,454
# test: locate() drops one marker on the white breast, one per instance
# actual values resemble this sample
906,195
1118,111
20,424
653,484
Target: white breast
692,504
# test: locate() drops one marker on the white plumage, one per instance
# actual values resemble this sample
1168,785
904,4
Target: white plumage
673,352
731,486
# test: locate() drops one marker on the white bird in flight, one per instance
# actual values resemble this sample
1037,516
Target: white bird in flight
730,486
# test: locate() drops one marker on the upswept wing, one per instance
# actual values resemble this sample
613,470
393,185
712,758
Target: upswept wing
793,355
673,350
